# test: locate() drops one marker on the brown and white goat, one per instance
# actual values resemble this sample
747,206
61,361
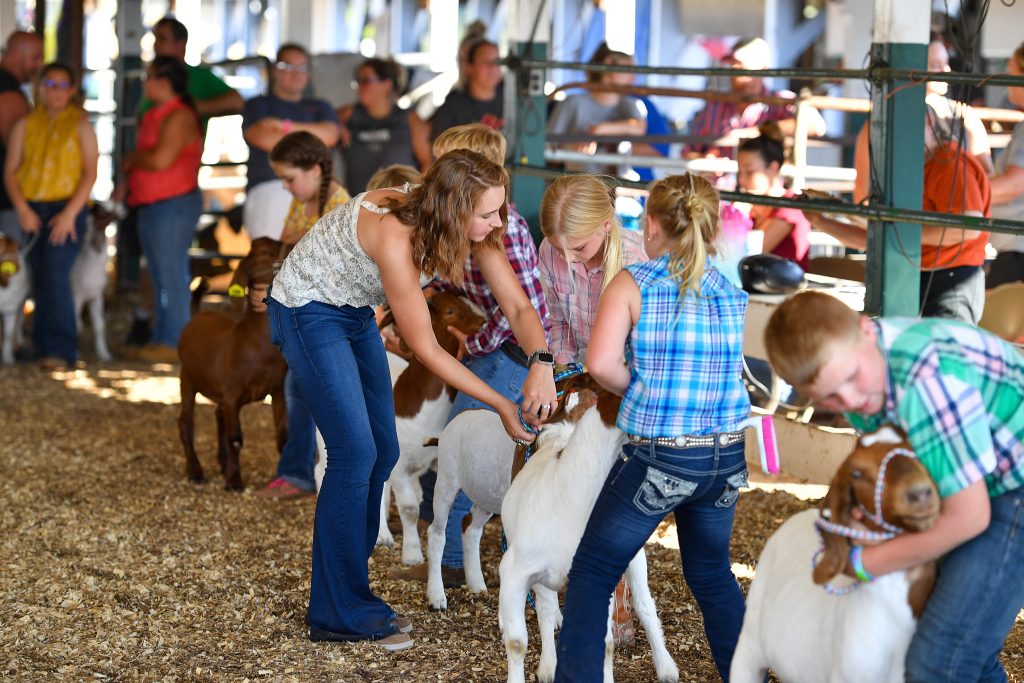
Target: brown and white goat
544,515
802,627
232,363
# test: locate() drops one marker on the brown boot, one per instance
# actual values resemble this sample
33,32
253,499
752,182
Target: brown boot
622,617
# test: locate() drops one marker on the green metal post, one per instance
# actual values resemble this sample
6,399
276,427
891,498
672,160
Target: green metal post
897,159
526,134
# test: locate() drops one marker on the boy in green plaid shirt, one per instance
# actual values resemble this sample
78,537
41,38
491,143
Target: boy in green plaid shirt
958,393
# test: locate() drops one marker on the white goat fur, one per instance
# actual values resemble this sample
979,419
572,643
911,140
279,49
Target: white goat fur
474,454
12,303
89,282
804,634
544,514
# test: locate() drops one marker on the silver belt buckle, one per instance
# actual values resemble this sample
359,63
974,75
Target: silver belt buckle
680,441
723,439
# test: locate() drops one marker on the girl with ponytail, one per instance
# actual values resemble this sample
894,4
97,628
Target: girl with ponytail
304,164
679,322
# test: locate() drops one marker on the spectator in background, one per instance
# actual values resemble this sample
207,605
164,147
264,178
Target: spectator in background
952,281
375,133
210,97
162,183
394,175
958,117
718,118
786,231
268,118
481,99
1008,190
49,173
598,112
21,60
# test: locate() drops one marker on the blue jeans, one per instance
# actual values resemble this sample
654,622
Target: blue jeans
980,590
699,485
298,457
165,231
338,361
505,376
54,325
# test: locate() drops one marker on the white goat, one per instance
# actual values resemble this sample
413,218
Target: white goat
14,289
544,514
474,454
807,635
89,279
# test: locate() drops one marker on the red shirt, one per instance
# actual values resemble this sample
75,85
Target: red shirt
796,246
955,182
181,177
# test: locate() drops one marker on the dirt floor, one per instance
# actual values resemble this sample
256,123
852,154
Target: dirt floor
115,567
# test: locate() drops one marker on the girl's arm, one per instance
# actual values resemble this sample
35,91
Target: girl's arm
616,315
775,230
392,252
539,387
177,130
963,516
561,341
28,218
63,224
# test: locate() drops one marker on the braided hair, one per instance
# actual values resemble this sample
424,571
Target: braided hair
304,150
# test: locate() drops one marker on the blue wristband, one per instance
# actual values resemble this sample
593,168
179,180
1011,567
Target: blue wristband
857,562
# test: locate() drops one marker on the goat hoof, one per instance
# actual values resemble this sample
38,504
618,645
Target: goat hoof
234,486
197,478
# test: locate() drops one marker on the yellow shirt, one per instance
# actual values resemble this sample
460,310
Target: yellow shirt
298,220
51,161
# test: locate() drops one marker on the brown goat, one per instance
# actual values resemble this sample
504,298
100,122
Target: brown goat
232,363
910,501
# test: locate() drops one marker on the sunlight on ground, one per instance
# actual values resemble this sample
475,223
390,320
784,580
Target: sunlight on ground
156,385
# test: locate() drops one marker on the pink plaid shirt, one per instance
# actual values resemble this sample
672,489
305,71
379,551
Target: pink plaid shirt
573,295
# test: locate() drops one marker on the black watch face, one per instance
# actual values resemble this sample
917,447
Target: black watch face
546,358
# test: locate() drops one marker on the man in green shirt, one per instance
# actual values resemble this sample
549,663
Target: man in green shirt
958,394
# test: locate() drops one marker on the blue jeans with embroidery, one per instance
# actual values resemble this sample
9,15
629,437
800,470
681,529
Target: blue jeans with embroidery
337,358
980,590
505,376
700,486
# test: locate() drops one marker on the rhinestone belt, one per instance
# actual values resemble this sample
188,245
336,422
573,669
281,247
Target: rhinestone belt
689,441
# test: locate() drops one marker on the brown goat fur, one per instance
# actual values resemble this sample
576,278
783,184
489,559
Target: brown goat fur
910,501
232,362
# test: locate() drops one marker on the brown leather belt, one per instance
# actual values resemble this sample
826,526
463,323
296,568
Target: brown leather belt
688,440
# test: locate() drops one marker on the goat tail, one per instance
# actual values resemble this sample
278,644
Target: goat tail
200,286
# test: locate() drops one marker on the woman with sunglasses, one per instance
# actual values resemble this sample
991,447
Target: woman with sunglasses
49,172
375,131
268,118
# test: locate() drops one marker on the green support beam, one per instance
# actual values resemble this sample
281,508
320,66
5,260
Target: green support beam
897,176
526,134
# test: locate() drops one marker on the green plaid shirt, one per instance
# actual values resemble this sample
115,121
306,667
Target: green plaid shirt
958,393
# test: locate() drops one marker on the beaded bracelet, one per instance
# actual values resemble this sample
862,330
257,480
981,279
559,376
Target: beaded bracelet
857,562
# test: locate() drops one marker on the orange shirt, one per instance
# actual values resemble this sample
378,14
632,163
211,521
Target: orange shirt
955,182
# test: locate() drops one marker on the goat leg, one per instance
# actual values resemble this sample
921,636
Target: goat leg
647,612
471,550
233,429
186,430
99,328
512,615
222,440
547,618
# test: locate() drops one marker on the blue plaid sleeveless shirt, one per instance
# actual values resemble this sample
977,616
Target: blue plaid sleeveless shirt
685,362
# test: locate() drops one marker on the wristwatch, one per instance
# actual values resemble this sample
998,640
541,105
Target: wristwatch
542,356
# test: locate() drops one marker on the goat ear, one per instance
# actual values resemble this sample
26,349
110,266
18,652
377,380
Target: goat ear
835,507
387,319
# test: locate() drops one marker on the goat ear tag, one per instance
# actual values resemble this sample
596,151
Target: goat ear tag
8,268
236,291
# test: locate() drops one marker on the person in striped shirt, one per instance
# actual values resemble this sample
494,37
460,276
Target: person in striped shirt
679,322
958,393
584,247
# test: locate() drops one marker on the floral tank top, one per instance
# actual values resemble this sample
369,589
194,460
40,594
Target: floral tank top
329,265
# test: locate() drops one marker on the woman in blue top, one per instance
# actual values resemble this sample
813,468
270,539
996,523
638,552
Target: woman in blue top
679,322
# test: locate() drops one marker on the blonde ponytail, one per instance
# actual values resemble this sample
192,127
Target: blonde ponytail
686,208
